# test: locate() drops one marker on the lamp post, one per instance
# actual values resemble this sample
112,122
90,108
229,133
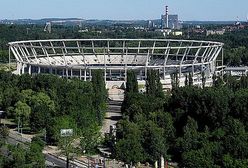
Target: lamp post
1,116
45,135
66,133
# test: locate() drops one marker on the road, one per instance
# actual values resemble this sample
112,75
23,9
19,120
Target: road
56,162
51,160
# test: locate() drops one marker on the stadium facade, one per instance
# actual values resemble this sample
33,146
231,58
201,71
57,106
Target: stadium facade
76,58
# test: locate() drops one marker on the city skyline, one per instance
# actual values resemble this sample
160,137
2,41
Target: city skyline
209,10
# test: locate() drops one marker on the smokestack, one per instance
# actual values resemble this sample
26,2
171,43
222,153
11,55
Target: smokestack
167,16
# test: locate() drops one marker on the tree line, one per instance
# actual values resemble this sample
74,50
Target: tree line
16,156
46,104
195,127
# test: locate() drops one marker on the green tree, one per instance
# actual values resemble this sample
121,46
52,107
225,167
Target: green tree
197,159
129,148
4,132
18,154
43,109
26,95
69,147
174,80
133,111
229,162
90,139
35,156
153,85
203,79
63,122
236,139
154,144
100,94
23,112
190,138
165,121
186,82
239,105
132,83
191,80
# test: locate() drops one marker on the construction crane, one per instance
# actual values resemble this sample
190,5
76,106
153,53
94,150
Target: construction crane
48,27
237,21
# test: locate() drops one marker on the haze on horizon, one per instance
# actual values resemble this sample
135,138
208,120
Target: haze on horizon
207,10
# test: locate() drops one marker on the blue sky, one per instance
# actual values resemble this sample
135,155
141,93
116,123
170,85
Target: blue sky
124,9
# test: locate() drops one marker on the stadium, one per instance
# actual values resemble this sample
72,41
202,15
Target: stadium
76,58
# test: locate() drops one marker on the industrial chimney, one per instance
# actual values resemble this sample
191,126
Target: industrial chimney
167,16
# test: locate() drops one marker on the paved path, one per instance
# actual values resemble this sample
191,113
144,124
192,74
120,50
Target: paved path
113,115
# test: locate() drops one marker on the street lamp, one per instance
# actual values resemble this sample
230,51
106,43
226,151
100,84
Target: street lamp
88,162
66,133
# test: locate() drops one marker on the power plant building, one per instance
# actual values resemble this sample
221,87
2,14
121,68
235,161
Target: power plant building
173,22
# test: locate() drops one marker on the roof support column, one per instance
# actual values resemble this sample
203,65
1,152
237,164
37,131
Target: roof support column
19,68
145,73
195,60
85,74
29,69
126,65
23,68
222,63
164,71
105,75
105,67
39,70
80,73
147,62
90,75
181,63
66,72
125,74
9,58
166,56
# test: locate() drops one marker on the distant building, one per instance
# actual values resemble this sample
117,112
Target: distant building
177,33
150,24
198,26
83,31
217,32
173,22
236,71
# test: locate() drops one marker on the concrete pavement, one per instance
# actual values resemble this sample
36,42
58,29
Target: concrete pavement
113,115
